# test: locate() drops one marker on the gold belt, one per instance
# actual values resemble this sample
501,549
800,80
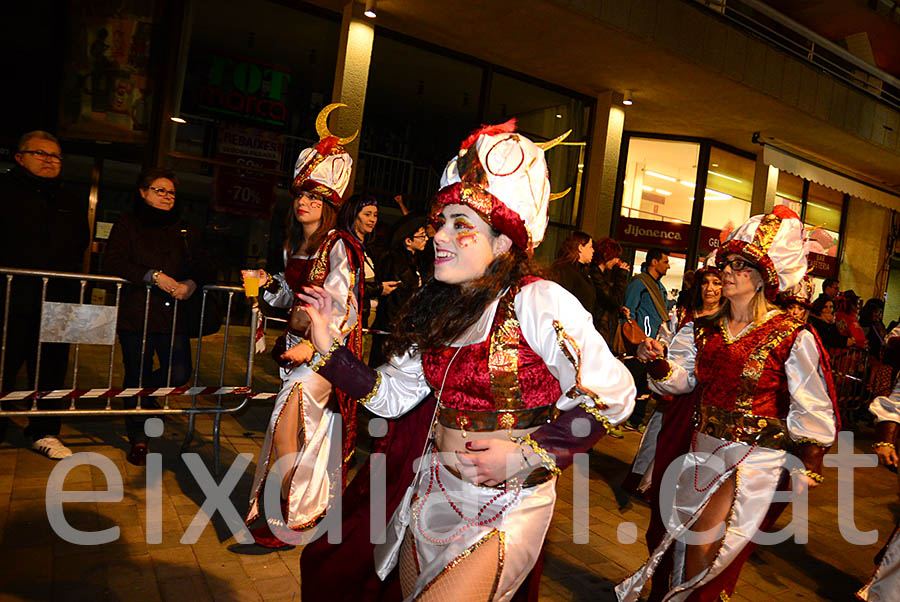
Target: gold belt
734,425
500,420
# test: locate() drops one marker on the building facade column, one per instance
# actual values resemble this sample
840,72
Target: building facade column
865,236
765,183
351,76
603,165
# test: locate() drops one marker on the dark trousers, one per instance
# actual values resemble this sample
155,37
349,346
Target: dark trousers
131,356
21,348
639,371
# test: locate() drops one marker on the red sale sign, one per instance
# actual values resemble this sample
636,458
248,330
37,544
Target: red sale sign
245,191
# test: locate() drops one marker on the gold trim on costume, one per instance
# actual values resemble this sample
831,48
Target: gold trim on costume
323,359
468,552
374,391
595,412
806,440
577,389
741,426
753,367
665,377
546,460
503,358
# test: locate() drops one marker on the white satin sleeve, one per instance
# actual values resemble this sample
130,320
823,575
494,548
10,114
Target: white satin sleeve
283,297
402,386
340,283
682,360
887,409
558,329
893,334
811,413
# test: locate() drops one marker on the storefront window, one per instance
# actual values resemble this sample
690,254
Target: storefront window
660,177
789,192
726,204
823,218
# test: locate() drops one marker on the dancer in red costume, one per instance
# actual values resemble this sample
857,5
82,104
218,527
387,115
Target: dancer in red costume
763,390
522,378
302,419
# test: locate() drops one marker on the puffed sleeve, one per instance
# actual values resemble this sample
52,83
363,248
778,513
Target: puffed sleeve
339,284
561,331
887,409
811,413
281,296
390,391
597,389
682,358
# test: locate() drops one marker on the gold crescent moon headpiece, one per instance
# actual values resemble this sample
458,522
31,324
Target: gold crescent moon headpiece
559,195
545,146
322,124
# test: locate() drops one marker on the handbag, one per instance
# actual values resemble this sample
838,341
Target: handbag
632,335
193,306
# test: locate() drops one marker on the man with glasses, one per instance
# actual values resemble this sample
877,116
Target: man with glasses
42,227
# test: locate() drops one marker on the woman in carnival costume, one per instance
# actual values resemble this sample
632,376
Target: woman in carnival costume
669,428
885,583
302,419
523,381
763,389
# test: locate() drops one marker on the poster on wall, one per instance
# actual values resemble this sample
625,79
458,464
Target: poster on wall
106,91
244,191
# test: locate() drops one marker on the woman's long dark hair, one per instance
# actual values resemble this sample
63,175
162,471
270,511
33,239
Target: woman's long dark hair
350,209
293,230
570,249
439,313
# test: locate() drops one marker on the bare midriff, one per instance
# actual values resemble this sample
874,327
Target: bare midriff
448,439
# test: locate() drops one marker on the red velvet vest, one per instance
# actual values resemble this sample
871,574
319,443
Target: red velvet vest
747,374
499,373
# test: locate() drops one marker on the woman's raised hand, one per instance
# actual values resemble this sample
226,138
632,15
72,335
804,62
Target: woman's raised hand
317,305
487,465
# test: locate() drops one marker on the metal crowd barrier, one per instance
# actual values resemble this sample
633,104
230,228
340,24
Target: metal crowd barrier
88,324
850,368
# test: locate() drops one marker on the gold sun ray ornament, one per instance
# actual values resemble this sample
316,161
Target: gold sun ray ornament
545,146
322,124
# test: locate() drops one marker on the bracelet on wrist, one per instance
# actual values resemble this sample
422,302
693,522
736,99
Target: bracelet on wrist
812,475
887,444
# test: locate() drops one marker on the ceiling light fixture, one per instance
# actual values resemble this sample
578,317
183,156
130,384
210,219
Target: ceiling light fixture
177,119
660,176
721,175
626,99
370,9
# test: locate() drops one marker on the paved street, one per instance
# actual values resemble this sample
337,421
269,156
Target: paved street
39,565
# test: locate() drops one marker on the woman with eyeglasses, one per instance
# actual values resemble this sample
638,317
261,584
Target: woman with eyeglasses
522,379
154,245
765,415
300,436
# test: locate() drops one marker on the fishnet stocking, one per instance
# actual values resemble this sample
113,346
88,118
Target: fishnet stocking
471,580
409,565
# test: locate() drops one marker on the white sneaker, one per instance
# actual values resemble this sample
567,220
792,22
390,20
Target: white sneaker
51,447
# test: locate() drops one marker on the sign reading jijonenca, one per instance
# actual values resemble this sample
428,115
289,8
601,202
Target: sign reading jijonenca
652,233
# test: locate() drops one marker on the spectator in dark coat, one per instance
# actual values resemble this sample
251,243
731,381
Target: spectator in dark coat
610,275
153,246
400,264
42,227
571,268
821,317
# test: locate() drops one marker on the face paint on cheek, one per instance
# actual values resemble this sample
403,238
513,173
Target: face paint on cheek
465,239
